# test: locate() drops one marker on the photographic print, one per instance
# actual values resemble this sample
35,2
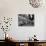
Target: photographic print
25,19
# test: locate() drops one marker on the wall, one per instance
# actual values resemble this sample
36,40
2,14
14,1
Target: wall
11,8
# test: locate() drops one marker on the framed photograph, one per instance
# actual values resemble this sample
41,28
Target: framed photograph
25,19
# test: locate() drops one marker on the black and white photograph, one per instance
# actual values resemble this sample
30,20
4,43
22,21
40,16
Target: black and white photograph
25,19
